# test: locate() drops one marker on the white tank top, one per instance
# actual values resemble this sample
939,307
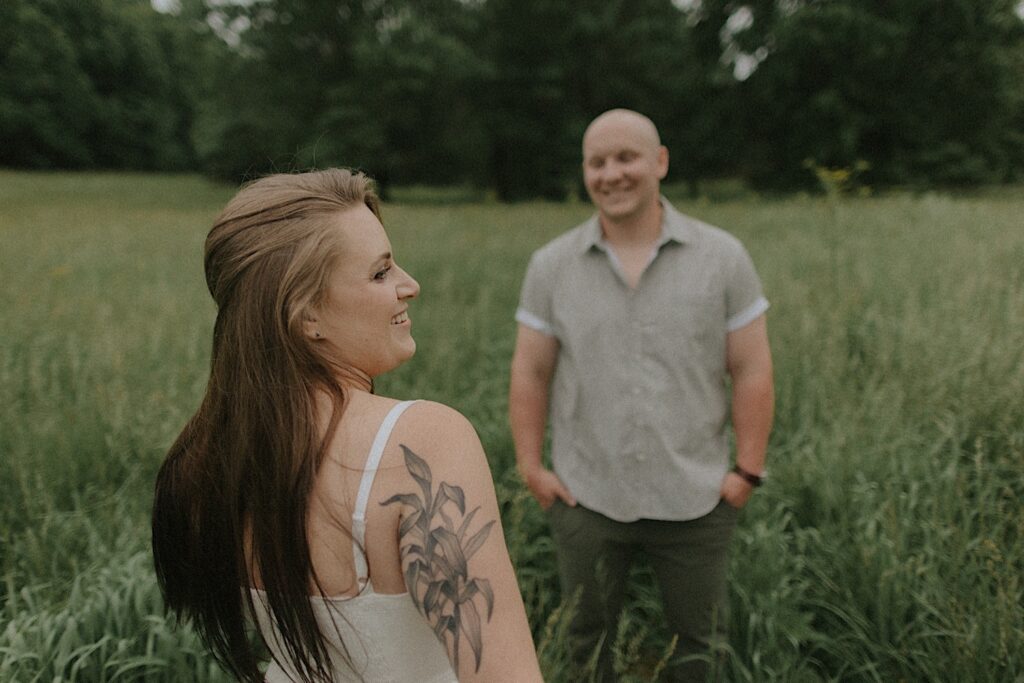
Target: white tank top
388,641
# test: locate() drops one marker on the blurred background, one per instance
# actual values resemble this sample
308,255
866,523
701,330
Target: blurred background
492,95
868,153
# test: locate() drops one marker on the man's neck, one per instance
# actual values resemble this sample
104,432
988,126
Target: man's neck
638,230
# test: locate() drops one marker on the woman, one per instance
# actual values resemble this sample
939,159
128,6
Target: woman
358,533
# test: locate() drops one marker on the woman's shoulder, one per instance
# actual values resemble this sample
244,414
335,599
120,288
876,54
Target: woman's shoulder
436,430
431,430
429,419
422,422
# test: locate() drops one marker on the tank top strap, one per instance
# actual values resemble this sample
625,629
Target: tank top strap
363,497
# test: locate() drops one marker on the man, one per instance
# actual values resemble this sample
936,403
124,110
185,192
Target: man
632,323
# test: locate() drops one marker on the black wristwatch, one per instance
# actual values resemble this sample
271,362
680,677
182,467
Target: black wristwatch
749,477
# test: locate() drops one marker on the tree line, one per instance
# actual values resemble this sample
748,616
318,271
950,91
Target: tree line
496,93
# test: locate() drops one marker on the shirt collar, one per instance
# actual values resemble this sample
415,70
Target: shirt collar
675,227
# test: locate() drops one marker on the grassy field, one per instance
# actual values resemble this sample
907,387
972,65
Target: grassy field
888,545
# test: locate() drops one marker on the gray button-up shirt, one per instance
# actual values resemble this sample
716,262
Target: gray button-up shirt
639,399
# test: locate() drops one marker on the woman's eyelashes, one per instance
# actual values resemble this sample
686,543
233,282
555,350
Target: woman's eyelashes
382,273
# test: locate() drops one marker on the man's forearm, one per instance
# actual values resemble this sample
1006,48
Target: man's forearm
528,412
753,405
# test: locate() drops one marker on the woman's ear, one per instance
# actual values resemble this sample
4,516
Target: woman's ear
311,327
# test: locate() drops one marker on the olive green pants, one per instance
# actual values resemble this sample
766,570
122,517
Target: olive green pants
689,560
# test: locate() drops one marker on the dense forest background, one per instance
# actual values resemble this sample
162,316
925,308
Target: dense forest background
494,94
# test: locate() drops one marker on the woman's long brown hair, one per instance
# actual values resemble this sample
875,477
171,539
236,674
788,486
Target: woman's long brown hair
245,464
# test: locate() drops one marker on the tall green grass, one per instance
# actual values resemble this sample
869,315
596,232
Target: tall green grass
887,546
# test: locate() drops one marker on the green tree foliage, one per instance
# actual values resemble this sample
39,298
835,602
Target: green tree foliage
383,86
94,83
923,91
496,93
556,64
492,93
44,96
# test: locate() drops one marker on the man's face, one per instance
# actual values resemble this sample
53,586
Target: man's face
623,166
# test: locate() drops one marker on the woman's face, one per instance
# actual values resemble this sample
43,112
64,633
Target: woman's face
364,316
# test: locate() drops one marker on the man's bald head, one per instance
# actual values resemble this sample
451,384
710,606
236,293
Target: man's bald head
636,122
624,163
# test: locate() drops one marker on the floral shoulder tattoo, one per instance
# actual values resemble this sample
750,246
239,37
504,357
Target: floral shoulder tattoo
437,543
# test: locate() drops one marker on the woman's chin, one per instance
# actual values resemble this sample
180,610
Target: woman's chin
400,358
410,352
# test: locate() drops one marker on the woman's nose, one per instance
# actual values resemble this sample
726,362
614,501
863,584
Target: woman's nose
408,288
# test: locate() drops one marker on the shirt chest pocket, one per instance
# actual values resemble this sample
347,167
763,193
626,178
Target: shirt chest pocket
689,318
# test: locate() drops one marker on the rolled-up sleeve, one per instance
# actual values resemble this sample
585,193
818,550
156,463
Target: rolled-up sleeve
745,300
534,309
